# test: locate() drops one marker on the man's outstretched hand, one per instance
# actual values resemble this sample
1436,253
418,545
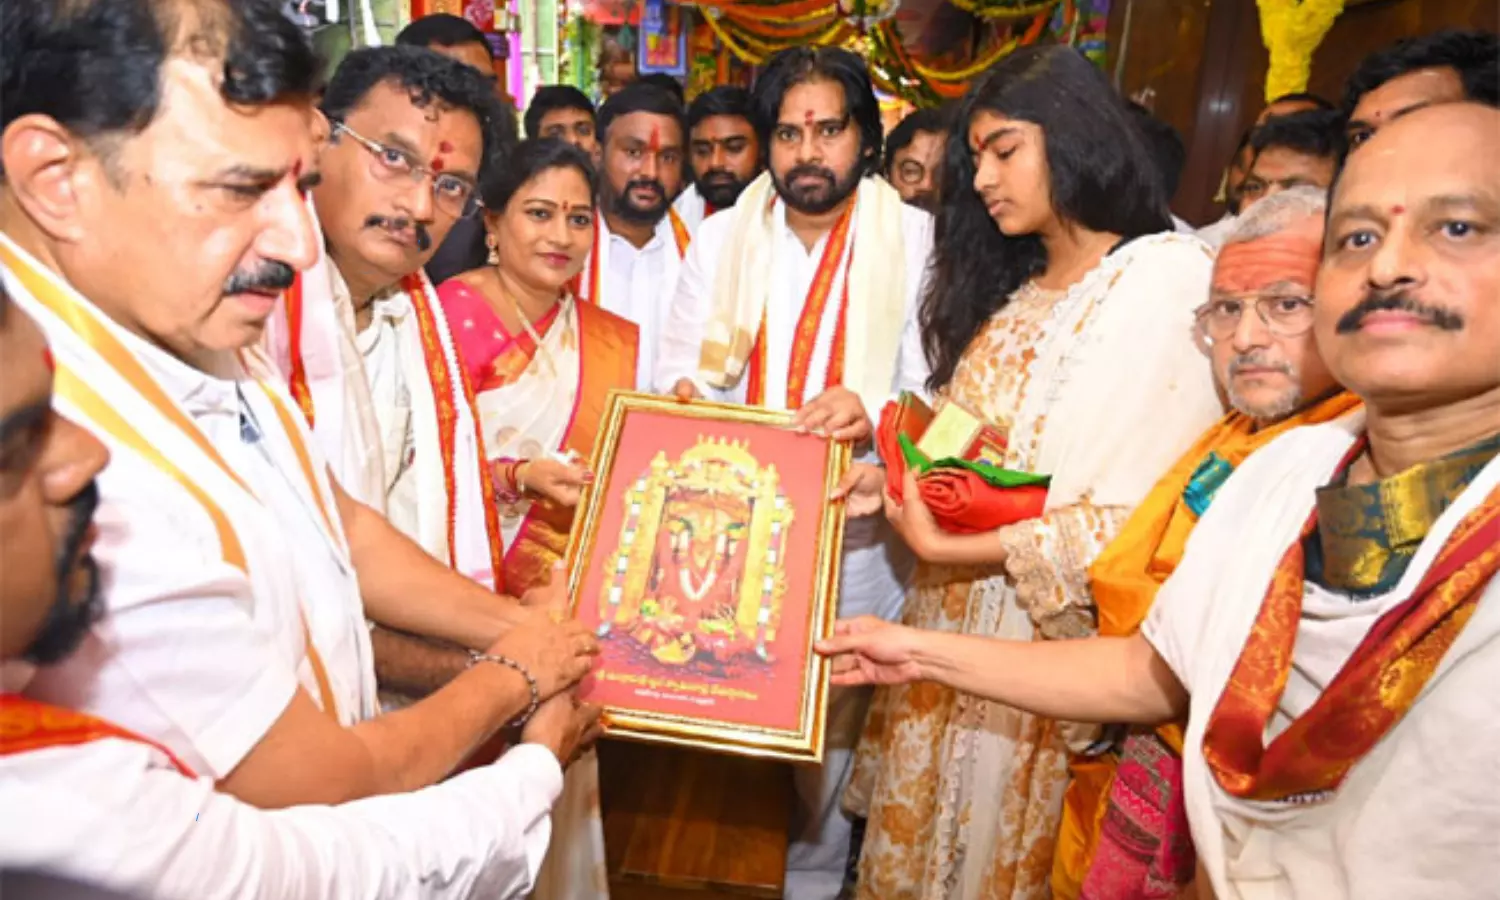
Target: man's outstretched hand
868,650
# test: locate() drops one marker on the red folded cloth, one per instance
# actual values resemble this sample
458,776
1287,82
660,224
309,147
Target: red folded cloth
964,503
961,500
888,445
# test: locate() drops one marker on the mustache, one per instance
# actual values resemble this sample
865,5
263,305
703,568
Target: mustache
1397,301
267,277
648,183
1257,361
73,610
808,169
719,176
402,223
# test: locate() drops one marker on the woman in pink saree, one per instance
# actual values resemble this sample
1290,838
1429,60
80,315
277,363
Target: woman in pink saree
542,365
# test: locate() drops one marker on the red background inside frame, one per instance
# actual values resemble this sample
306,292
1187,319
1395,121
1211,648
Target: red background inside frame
801,461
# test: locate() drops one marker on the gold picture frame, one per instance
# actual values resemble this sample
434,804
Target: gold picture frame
732,502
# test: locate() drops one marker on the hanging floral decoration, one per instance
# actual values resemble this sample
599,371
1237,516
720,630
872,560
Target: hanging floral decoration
754,30
1291,31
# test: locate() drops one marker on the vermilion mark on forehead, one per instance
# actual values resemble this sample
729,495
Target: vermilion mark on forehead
808,118
655,143
48,360
437,164
445,147
1397,210
297,170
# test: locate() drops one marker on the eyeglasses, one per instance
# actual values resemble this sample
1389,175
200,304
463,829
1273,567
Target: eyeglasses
910,172
450,193
1284,316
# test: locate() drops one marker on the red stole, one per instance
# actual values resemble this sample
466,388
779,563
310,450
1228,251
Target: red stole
27,724
607,350
445,394
297,378
1372,691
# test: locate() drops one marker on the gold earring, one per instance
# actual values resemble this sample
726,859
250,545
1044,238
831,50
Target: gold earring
494,245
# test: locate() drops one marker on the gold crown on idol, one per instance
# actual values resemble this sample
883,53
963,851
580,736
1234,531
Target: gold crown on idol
716,466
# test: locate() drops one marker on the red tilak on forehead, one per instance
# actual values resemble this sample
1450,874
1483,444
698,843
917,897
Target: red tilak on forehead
297,170
1397,210
655,144
48,360
807,116
438,163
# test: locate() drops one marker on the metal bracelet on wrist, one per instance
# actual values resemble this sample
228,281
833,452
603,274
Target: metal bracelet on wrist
536,694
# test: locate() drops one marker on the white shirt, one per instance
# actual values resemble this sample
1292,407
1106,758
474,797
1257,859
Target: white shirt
636,289
390,397
115,814
186,655
796,265
691,208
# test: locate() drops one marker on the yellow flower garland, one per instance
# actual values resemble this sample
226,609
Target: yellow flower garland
1291,31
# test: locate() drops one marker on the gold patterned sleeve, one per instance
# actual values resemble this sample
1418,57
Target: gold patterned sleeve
1048,559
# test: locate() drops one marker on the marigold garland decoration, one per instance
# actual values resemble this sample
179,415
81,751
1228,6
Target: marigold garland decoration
1291,31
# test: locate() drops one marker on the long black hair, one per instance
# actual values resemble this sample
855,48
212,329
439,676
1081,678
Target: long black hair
531,157
1101,179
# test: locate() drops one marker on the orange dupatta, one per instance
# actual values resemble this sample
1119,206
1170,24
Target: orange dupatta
27,725
680,235
1370,694
608,345
1124,580
91,331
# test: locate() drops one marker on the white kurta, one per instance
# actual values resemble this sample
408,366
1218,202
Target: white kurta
637,283
391,402
691,208
115,814
1417,816
189,654
344,424
876,566
404,403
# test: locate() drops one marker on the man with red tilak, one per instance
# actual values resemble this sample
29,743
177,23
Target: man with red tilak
803,298
1124,830
1331,632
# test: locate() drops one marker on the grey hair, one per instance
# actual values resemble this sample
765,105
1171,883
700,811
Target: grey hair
1277,213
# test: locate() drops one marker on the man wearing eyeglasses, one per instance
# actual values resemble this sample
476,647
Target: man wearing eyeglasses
914,158
1257,330
373,365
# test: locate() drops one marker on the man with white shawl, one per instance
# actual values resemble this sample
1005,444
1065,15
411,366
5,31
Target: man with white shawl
639,239
361,338
1331,633
149,231
803,298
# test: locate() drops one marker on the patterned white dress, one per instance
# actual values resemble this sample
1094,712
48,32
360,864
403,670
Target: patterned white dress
1101,387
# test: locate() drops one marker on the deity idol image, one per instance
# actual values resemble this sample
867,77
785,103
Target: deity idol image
699,574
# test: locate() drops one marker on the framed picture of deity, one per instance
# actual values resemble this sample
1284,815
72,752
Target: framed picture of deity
706,557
